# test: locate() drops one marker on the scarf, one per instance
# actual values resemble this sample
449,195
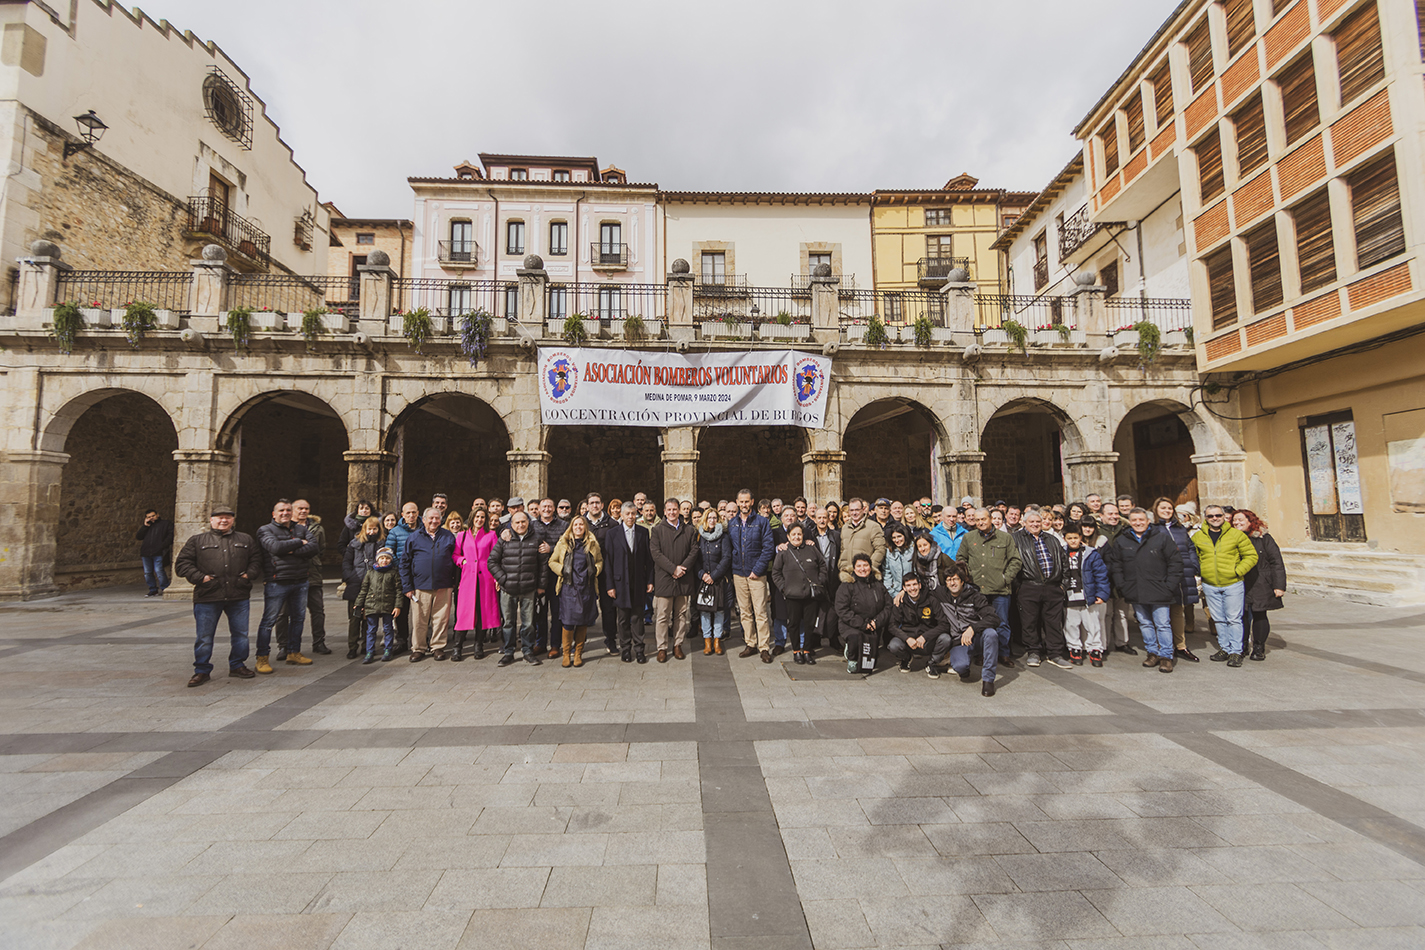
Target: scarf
712,535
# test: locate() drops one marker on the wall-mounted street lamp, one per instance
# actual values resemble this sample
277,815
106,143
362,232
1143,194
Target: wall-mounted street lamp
91,130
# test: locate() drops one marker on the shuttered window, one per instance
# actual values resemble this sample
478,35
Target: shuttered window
1241,26
1199,48
1265,266
1315,253
1163,94
1251,125
1359,58
1222,287
1375,206
1209,166
1109,135
1298,88
1133,111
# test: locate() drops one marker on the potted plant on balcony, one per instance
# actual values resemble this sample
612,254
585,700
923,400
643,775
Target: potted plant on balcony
312,326
417,328
876,334
272,321
1150,340
475,335
95,316
727,325
575,333
1178,336
138,320
1010,333
635,331
923,329
65,323
239,327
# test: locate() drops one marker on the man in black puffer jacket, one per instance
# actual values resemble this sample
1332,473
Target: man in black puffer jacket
1148,571
1041,593
287,553
518,569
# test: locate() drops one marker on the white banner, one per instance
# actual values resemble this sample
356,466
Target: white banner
579,386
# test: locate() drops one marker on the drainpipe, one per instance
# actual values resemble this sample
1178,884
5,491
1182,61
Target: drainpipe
495,239
871,222
1142,271
577,201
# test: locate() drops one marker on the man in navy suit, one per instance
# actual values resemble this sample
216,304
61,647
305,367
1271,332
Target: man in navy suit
628,579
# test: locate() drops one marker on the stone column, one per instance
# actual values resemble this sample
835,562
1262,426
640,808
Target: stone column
208,294
680,463
205,478
822,475
959,296
529,473
371,475
374,307
1088,472
825,306
1221,479
680,302
38,285
963,475
1089,309
29,522
534,301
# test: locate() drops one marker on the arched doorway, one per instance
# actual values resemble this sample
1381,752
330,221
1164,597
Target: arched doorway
1024,446
890,448
615,461
1155,449
451,443
120,464
289,445
765,459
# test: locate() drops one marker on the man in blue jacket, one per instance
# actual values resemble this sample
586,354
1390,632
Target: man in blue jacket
409,524
949,532
427,579
751,554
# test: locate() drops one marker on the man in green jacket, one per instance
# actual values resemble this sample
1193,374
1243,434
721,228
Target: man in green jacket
993,560
1225,555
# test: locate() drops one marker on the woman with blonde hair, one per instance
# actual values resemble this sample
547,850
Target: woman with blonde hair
477,604
576,563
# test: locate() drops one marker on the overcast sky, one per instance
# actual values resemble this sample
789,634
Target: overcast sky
839,95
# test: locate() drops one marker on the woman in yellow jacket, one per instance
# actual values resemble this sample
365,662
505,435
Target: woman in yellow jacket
576,563
1224,555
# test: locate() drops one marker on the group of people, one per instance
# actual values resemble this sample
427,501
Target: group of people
957,586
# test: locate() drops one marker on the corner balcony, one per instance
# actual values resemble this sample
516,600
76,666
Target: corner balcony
209,219
1082,237
720,285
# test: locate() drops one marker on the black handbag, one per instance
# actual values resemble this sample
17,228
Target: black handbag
707,597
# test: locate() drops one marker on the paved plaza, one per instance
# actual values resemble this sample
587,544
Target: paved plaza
713,802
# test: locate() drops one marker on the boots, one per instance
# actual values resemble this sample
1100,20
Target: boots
717,646
479,644
459,647
263,666
568,648
580,635
707,646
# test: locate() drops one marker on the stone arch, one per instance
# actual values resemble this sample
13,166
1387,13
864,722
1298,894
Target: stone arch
892,445
452,442
615,461
766,459
1026,441
1156,441
66,398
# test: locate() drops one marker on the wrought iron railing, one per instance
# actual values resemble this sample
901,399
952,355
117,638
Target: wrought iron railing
803,282
608,301
1041,274
931,269
755,306
720,285
449,298
1167,313
992,310
892,306
210,216
608,256
1076,232
289,293
111,289
457,252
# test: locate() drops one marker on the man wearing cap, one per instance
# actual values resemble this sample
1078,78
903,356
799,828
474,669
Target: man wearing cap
882,518
513,505
221,564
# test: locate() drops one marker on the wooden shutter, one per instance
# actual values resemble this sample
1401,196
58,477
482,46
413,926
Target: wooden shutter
1359,58
1298,88
1199,48
1133,111
1209,166
1279,5
1264,264
1375,205
1108,277
1109,136
1162,81
1315,252
1222,287
1241,25
1251,125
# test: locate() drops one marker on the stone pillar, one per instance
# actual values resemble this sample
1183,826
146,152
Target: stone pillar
825,306
959,296
1221,479
680,302
1088,472
534,302
371,475
29,522
205,478
529,473
38,285
1089,309
208,294
680,462
963,475
822,475
374,307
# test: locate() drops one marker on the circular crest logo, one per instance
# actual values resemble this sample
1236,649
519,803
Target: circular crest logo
809,381
559,376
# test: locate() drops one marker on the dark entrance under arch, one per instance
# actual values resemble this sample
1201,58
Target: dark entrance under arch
1024,460
765,459
615,461
451,443
1155,450
890,448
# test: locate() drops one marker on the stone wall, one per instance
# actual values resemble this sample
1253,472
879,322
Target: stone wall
766,460
120,464
890,459
616,462
440,456
1020,453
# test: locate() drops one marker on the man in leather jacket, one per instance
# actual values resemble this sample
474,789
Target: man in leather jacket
221,564
1041,593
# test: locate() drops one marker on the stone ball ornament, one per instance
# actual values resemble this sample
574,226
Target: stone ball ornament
821,270
378,258
533,262
957,275
1085,278
44,249
212,252
680,266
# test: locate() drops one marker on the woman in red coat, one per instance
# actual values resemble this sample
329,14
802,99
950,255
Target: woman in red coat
477,604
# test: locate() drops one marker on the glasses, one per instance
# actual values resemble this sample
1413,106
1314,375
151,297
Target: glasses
1220,514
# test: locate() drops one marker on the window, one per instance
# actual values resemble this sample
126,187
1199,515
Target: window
1222,287
1108,276
561,175
714,267
512,301
1264,266
1279,5
1162,81
519,174
1375,208
558,237
514,237
894,307
1360,61
1199,50
1241,26
813,260
220,194
1298,87
365,237
1109,137
558,307
937,217
939,246
1133,111
610,303
1251,126
1315,252
461,241
458,299
610,240
1041,261
1209,166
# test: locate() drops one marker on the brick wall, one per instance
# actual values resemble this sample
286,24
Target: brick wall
614,461
1019,459
768,461
886,460
440,456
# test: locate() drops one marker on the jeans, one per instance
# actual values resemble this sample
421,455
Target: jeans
206,617
276,595
372,623
153,573
1225,605
1156,625
989,643
518,611
713,624
1000,602
937,649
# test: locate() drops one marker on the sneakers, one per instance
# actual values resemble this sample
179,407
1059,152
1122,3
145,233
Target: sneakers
1061,663
507,660
1127,648
905,666
932,672
1096,657
262,665
370,658
531,659
1076,657
1234,660
1219,657
1033,659
297,659
1258,654
387,656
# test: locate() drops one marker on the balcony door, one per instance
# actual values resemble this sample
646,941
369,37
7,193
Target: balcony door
714,267
1333,478
610,242
462,240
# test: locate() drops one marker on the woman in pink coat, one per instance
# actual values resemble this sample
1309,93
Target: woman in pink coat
477,605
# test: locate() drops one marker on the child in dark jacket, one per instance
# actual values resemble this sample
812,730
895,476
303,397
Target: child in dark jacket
380,603
1086,587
